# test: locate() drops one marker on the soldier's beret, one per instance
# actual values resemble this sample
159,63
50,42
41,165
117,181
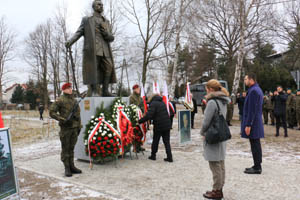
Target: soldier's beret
135,86
66,86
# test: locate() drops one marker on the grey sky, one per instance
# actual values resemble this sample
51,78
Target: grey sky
24,15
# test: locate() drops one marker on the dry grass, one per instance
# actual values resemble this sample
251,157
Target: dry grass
24,113
25,131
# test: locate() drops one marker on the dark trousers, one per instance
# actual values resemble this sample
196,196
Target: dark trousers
256,152
166,139
192,119
266,114
41,116
281,121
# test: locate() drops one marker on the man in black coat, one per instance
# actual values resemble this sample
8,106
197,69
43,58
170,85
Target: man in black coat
162,124
279,100
193,113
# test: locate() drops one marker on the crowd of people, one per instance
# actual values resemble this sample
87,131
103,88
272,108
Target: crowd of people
281,108
252,106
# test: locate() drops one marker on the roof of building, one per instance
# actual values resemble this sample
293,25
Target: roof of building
24,86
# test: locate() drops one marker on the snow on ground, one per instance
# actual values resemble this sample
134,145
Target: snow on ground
41,172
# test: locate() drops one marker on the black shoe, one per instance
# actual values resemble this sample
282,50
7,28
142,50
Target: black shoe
75,170
253,171
276,135
247,169
168,159
286,136
68,172
273,124
152,157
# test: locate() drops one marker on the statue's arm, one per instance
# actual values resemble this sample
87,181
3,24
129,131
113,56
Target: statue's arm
107,32
78,33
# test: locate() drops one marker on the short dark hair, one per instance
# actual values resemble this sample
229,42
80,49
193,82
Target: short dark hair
251,76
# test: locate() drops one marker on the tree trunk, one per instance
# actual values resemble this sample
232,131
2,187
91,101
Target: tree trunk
239,65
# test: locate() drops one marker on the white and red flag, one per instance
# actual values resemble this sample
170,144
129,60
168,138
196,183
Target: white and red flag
156,89
166,96
144,99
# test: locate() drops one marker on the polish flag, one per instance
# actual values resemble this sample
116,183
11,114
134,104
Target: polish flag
144,99
166,96
156,89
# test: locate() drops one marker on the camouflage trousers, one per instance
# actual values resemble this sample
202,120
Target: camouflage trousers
291,117
68,139
266,116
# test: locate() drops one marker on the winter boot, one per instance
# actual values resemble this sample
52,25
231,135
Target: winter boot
68,172
152,157
215,194
74,169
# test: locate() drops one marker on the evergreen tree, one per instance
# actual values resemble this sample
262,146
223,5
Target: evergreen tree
18,95
31,94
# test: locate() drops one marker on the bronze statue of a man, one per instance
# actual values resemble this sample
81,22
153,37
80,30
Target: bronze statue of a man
98,66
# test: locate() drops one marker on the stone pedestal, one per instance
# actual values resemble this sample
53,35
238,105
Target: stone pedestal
88,108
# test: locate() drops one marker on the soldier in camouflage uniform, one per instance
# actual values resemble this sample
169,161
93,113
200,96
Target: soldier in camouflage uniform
230,109
265,109
291,109
270,106
69,130
137,100
298,108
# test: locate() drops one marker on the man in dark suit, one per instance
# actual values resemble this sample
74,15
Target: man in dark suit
98,65
252,125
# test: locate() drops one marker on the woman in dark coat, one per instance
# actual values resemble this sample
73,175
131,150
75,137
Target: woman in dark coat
162,124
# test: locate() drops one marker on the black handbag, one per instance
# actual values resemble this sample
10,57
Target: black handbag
218,131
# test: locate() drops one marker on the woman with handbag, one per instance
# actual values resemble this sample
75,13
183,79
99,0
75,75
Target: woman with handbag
217,97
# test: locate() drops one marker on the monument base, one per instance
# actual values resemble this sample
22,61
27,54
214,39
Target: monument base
88,108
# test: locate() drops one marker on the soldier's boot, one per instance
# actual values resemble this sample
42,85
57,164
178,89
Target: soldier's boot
68,172
105,92
74,169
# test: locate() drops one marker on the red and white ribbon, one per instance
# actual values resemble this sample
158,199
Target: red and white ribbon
143,125
94,131
120,115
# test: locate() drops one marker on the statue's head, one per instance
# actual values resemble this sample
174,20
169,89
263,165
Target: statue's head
97,6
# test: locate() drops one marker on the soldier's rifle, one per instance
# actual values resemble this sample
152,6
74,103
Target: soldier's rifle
74,109
73,69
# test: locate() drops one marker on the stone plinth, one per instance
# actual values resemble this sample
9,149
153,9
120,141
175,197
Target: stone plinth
88,108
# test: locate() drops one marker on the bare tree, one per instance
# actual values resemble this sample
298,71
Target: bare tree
7,45
36,54
180,19
289,32
148,28
232,27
